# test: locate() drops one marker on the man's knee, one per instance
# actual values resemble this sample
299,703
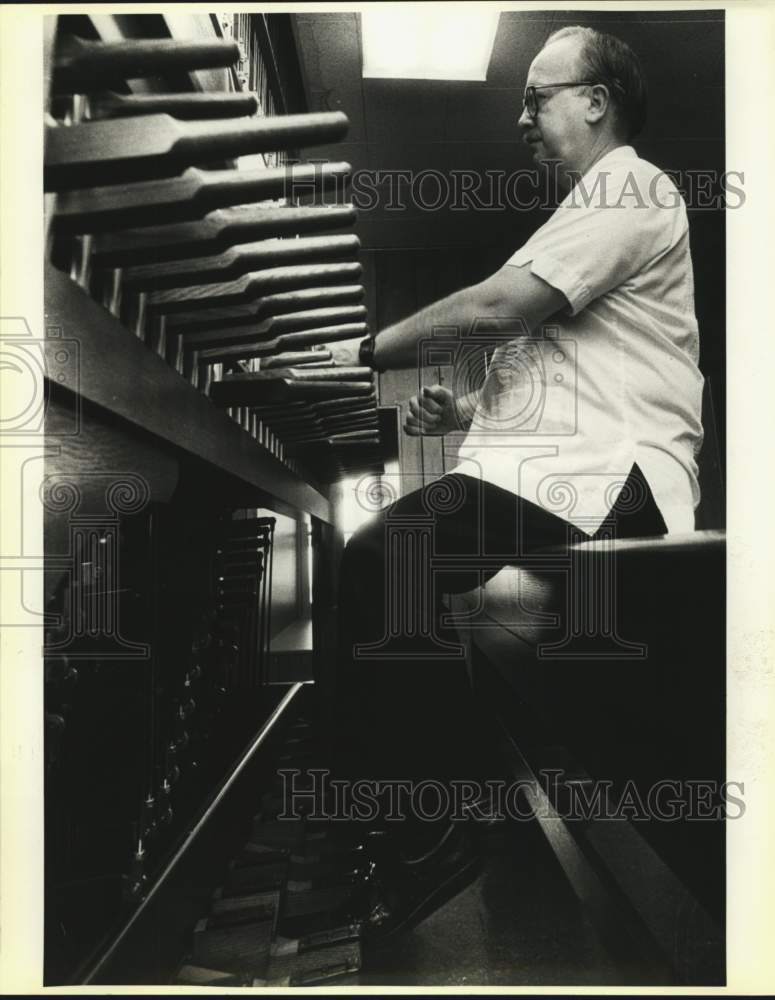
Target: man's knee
363,561
366,552
368,541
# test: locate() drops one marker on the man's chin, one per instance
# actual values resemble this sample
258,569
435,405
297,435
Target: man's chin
546,161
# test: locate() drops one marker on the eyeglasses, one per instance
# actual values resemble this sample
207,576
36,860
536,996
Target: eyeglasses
530,99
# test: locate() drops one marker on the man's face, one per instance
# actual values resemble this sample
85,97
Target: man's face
559,131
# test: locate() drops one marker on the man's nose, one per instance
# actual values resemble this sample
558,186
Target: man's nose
525,121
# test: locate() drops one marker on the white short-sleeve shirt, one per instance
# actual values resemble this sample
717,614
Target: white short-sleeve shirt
565,412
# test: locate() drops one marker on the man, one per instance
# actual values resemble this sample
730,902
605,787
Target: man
613,440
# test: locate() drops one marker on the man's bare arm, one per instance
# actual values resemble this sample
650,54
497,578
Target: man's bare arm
511,293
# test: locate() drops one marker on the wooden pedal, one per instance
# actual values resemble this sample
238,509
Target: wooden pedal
251,880
257,856
315,901
321,851
334,869
316,965
240,948
343,934
197,975
240,909
255,853
278,833
343,975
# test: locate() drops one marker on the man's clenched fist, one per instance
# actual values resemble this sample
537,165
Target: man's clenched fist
432,412
346,353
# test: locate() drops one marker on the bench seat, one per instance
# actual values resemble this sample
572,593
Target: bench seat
607,663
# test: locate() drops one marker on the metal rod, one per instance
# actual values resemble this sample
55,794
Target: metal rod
269,57
267,636
194,832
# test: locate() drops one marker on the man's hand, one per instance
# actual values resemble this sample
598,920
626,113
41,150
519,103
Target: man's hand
432,412
345,352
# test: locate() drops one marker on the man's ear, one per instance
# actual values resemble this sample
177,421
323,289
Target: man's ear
599,100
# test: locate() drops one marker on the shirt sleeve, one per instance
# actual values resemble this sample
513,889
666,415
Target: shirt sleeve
598,240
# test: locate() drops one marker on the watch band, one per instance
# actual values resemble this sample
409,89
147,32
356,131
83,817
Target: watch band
366,353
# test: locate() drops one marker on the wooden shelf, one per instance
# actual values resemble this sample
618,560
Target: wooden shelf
118,373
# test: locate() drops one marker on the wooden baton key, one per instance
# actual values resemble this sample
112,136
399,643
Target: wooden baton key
347,437
218,231
292,358
236,389
279,390
247,289
242,259
346,373
274,326
321,428
195,192
83,66
185,106
290,424
156,146
266,348
348,409
314,410
281,304
356,438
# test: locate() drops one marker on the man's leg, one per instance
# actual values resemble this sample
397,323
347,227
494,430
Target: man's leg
404,714
406,710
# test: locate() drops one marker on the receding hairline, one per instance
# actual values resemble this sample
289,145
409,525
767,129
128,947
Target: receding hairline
552,42
594,47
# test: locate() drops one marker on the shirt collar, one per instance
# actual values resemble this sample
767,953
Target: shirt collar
620,153
614,155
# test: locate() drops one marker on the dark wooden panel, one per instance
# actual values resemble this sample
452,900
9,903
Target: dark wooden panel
171,409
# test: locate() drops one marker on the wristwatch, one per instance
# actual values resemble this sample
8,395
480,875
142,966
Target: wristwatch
366,353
